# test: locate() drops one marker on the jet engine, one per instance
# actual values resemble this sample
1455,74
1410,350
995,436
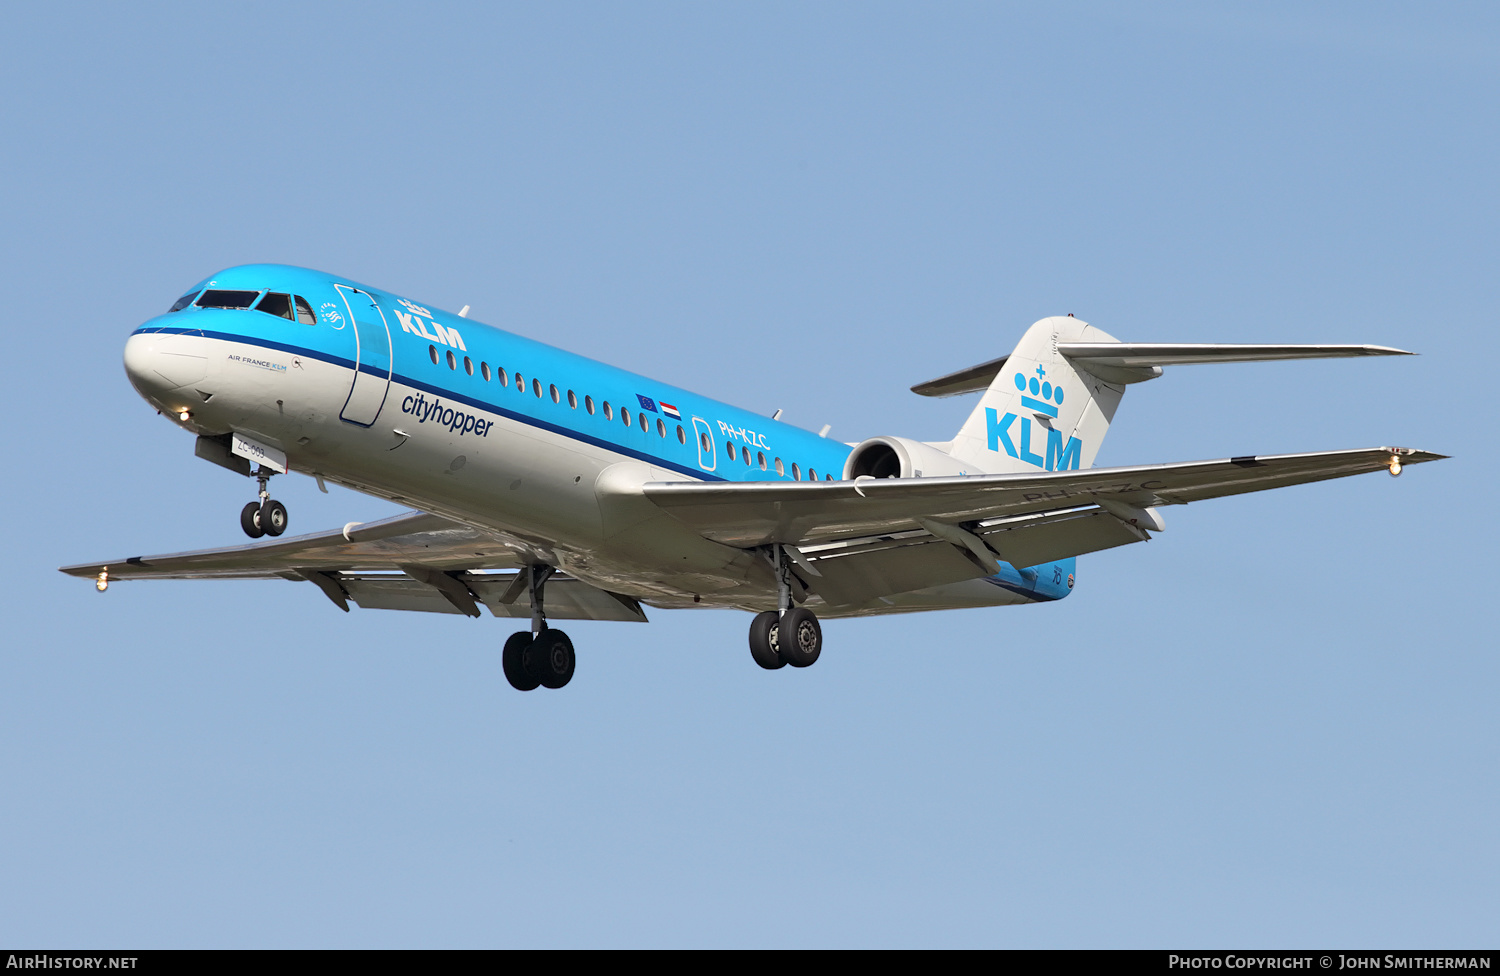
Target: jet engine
900,457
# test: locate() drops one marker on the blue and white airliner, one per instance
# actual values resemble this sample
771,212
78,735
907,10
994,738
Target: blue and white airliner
546,485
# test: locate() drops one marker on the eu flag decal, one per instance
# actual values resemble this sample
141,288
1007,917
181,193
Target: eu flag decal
646,403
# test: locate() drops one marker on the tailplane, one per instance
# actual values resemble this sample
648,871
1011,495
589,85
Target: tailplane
1048,405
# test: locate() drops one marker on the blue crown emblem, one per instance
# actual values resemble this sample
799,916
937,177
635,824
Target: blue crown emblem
1040,386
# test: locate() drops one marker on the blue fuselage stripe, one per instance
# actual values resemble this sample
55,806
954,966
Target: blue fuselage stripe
439,391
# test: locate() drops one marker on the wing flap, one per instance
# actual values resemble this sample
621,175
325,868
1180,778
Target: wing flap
872,568
567,598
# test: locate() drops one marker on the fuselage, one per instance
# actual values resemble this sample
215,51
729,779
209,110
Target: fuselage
398,399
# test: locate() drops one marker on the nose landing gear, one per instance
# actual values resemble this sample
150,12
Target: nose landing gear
267,516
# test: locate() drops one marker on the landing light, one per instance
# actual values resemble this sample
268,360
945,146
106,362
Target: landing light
102,583
184,416
1395,465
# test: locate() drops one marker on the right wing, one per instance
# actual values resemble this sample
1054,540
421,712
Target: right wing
415,561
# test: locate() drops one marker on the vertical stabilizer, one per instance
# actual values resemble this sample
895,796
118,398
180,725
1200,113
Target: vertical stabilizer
1040,413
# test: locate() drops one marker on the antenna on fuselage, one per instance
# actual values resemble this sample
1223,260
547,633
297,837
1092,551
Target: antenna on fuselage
777,414
464,312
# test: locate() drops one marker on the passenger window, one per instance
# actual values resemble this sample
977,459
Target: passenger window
182,302
468,366
625,415
645,423
746,455
704,443
572,399
812,475
760,459
215,298
452,360
520,384
432,351
304,311
661,428
553,391
828,477
536,387
729,449
609,413
780,471
681,435
502,376
588,404
276,303
484,370
796,472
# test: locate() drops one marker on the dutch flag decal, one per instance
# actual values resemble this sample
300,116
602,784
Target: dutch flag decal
669,410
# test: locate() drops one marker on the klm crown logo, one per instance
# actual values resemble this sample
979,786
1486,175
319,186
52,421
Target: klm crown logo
1060,456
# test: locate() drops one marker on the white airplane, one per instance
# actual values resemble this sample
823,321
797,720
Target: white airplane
590,491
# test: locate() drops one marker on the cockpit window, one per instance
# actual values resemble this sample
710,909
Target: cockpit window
304,312
276,303
183,302
214,298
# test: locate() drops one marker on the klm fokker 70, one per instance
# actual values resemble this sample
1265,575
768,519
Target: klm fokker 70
548,486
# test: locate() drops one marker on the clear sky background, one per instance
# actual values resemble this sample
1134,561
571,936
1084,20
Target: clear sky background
1274,725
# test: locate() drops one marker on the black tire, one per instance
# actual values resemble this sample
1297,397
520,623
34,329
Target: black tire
550,659
250,520
273,517
510,660
799,637
763,640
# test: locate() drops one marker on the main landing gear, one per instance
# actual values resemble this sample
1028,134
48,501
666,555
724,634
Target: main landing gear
264,517
541,656
790,635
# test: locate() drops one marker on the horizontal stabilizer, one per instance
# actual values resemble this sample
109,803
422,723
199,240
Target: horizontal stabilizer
969,380
1137,354
1141,360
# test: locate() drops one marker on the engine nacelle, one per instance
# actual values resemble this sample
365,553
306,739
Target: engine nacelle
900,457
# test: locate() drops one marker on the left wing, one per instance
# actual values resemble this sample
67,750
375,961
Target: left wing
410,562
749,514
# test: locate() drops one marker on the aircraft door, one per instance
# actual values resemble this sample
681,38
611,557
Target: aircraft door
707,459
372,357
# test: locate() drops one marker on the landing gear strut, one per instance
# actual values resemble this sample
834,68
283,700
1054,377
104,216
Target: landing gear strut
790,634
267,516
541,656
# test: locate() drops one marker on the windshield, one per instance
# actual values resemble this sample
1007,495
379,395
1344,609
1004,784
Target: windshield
183,302
215,298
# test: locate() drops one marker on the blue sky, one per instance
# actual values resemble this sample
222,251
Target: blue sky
1272,726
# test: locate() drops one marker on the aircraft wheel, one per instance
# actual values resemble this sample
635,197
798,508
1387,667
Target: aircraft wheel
510,660
763,640
273,517
550,659
250,520
799,637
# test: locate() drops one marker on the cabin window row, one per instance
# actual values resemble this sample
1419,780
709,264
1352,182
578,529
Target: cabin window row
604,407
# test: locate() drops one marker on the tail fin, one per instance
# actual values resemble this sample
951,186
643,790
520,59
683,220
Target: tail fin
1049,403
1041,413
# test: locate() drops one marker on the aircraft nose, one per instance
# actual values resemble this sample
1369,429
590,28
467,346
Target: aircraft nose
159,364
